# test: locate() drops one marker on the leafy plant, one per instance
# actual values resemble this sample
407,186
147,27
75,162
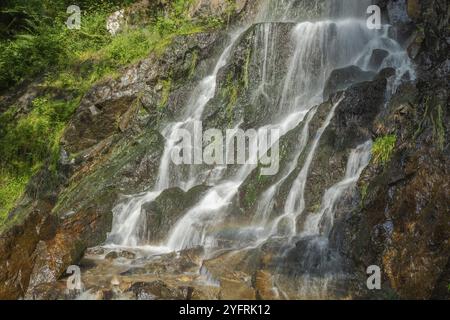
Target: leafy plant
383,148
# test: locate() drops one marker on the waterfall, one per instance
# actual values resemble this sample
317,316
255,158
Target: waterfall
295,203
320,268
322,221
127,216
338,37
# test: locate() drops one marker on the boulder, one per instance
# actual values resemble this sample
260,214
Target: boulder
341,79
158,289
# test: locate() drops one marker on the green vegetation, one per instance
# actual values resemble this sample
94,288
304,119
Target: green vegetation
438,127
11,187
35,44
364,192
434,115
166,86
229,94
383,148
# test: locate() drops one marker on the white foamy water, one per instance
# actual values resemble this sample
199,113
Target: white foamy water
320,223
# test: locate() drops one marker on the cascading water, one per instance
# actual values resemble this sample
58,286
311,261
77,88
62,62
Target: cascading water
322,221
338,39
319,268
295,203
127,216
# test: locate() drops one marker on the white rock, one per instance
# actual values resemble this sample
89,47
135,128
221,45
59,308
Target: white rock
115,22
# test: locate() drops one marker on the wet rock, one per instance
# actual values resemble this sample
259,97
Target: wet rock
414,9
16,246
112,255
120,254
235,290
216,8
377,58
164,212
386,73
398,11
21,97
234,272
341,79
349,128
415,44
104,294
158,289
96,251
127,255
356,113
115,281
242,96
398,224
134,271
264,286
49,291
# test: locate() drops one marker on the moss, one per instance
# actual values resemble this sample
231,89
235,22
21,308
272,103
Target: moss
383,148
230,9
364,192
230,94
251,195
246,68
439,129
254,188
194,62
165,92
315,207
433,114
11,188
233,99
422,122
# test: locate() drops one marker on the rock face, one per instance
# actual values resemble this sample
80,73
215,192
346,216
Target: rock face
238,81
162,214
398,218
143,12
377,58
403,222
341,79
